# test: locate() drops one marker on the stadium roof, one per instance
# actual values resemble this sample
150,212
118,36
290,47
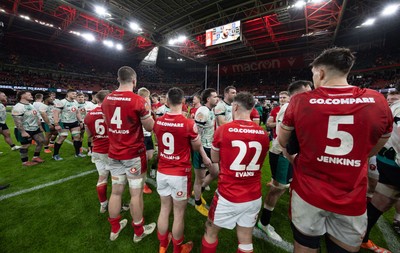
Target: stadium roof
269,28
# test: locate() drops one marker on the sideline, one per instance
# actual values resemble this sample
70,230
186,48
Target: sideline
7,196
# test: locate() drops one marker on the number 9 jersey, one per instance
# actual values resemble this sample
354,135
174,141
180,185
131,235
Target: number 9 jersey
242,147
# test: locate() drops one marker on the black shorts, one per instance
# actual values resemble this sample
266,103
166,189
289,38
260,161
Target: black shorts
148,142
70,126
24,140
389,171
3,126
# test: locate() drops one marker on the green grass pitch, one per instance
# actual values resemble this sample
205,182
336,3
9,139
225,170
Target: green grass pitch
65,217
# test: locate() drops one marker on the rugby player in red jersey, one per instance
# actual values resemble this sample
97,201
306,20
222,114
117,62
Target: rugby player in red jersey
240,148
125,114
196,104
330,171
97,130
176,135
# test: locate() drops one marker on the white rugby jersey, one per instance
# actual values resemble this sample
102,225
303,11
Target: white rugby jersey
205,120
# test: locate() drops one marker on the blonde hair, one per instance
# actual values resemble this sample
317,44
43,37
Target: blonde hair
144,92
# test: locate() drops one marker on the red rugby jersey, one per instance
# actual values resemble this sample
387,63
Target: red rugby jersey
95,122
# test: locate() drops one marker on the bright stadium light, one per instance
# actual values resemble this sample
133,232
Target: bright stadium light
181,39
390,10
299,4
119,47
369,22
135,27
317,1
100,10
89,37
108,43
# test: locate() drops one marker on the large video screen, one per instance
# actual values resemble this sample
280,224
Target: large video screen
222,34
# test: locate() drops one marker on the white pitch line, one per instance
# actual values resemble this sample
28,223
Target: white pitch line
256,232
7,196
391,239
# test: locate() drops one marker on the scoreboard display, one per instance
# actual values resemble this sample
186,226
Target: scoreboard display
223,34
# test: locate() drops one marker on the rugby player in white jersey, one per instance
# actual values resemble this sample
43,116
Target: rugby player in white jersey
67,118
28,128
281,169
223,110
205,120
46,111
3,126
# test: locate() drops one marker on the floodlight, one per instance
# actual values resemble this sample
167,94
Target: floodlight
171,41
100,10
390,10
119,47
369,22
108,43
134,26
299,4
181,39
317,1
89,37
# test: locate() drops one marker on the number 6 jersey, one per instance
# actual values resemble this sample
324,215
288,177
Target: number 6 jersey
336,127
242,147
123,111
94,121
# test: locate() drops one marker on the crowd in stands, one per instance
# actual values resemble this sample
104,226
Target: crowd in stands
64,71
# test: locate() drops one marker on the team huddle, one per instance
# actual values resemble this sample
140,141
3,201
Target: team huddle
318,152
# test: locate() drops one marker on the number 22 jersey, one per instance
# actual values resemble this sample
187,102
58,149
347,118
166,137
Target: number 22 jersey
242,147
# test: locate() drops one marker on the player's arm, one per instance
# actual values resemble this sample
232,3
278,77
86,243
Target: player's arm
256,120
221,120
378,146
200,119
283,139
56,116
18,124
45,118
89,134
197,146
270,122
148,123
79,116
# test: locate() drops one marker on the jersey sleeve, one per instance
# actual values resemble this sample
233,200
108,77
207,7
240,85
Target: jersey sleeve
220,109
43,108
216,144
192,131
201,117
288,118
18,110
59,105
254,114
144,109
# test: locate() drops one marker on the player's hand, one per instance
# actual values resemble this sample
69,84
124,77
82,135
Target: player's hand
25,135
52,127
58,128
207,162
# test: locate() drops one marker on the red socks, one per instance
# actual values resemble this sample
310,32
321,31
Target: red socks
138,228
177,244
163,239
208,247
115,224
102,192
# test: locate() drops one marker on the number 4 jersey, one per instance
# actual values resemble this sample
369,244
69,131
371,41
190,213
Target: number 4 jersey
242,147
174,134
94,121
336,128
123,111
